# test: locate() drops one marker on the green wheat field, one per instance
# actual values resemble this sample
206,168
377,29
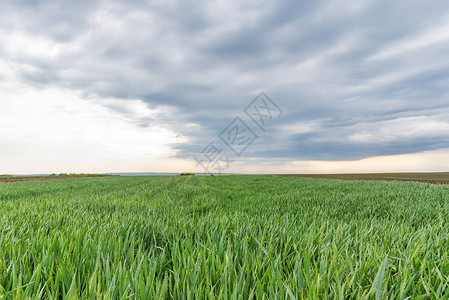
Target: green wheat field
225,237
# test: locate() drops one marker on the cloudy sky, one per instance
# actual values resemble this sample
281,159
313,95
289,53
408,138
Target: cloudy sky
119,86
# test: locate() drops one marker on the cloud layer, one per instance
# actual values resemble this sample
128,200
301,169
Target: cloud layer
355,79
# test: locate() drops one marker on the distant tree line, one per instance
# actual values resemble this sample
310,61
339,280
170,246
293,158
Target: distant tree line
77,175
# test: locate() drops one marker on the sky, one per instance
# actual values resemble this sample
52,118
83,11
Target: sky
175,86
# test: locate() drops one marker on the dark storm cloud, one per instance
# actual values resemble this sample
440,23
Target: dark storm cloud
355,70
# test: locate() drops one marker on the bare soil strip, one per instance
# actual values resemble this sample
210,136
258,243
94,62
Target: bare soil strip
435,178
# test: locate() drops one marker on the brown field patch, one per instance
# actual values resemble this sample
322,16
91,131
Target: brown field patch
435,178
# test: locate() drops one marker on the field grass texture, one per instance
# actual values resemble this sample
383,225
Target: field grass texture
198,237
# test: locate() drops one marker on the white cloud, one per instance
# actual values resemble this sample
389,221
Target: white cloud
300,127
400,129
57,130
429,38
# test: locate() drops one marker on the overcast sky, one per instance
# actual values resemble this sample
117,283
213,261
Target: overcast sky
117,86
